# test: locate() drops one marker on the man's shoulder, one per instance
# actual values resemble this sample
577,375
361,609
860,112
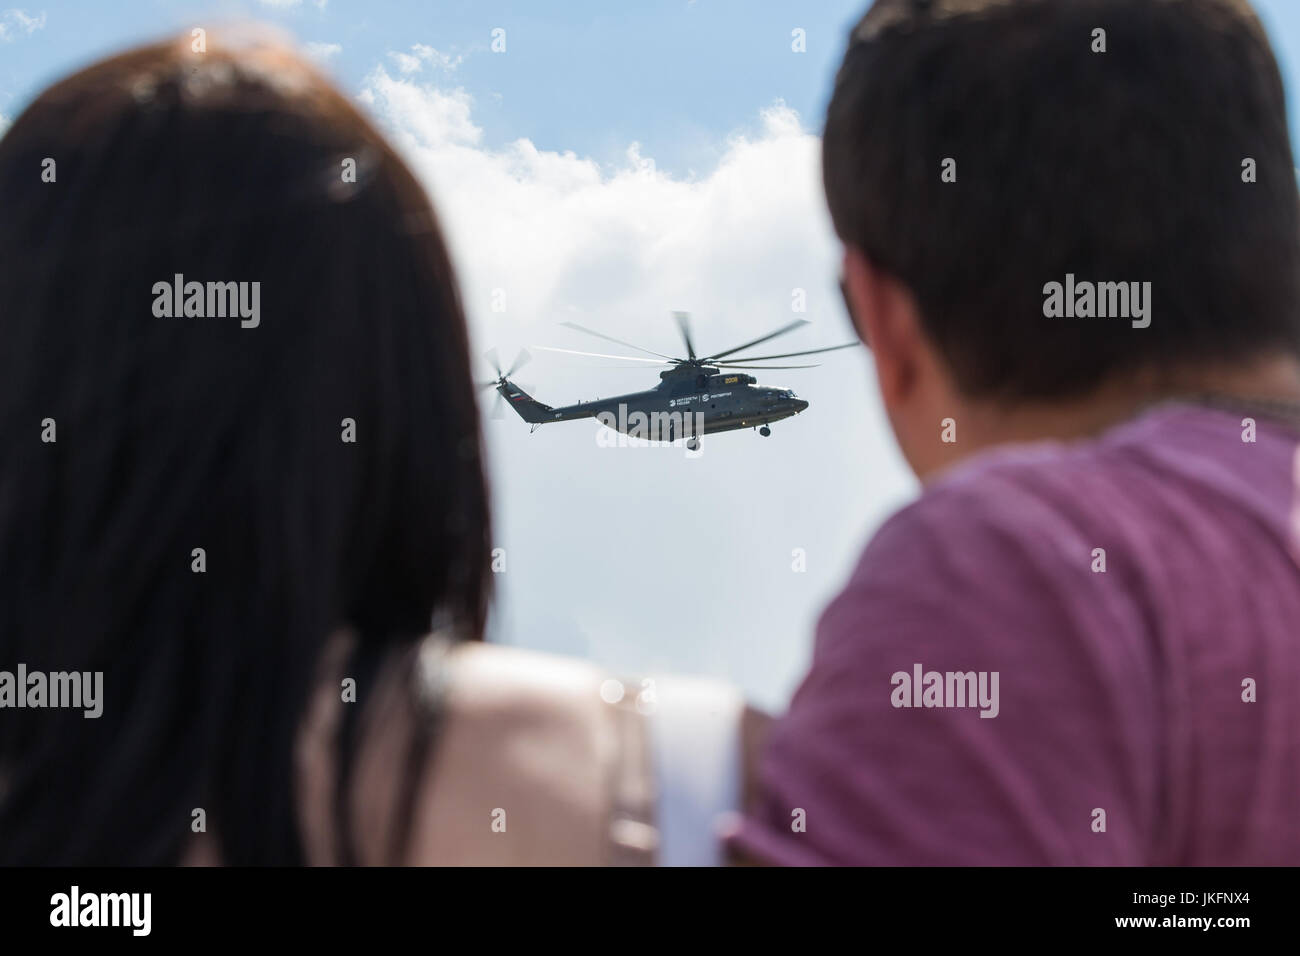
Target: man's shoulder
1052,490
1088,536
1016,538
1000,502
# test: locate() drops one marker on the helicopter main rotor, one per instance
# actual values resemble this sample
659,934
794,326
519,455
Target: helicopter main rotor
698,361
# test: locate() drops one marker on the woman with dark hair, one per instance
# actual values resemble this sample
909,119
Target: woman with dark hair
241,477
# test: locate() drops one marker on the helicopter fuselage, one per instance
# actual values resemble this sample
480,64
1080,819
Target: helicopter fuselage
687,402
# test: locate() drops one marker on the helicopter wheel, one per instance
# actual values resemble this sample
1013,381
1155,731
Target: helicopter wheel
765,431
693,444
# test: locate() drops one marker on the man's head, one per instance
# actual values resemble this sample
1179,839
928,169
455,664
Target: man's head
978,150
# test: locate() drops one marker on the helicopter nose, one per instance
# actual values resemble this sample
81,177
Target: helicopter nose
799,405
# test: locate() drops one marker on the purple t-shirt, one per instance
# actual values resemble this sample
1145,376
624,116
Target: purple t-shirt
1147,713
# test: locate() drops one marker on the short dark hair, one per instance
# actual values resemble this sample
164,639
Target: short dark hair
1125,165
183,432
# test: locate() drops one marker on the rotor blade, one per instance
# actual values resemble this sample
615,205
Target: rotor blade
491,357
610,338
771,335
484,386
498,408
758,358
684,326
522,359
732,365
626,358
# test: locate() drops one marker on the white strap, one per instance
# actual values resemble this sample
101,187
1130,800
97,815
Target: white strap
695,751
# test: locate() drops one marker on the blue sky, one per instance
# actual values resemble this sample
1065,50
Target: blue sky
584,75
618,162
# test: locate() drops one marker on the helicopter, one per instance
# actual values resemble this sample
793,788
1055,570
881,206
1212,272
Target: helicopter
695,394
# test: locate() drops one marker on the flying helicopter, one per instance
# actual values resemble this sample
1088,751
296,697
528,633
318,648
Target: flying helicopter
695,393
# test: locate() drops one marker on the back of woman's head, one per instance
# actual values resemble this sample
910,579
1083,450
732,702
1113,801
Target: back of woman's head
199,483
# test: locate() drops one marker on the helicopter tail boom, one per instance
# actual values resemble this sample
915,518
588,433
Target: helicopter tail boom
528,408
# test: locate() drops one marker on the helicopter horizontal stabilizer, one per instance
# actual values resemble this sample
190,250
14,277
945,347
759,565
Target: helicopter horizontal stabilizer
529,409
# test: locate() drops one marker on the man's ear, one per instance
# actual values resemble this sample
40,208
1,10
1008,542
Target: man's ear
888,322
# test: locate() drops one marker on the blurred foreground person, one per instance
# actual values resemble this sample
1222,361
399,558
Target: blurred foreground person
241,479
1072,242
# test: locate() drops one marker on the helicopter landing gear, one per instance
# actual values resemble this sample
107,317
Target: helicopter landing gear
693,444
765,431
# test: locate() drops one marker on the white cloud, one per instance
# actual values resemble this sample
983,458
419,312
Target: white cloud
406,62
422,116
322,52
637,557
422,54
558,222
18,23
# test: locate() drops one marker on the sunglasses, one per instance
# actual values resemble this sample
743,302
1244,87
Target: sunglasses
858,329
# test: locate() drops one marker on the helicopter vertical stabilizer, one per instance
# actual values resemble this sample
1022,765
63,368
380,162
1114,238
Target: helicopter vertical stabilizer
528,408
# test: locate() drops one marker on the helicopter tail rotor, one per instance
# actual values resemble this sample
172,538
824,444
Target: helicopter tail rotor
503,377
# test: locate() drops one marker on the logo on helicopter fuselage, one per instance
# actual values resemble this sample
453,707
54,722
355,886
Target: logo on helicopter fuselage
675,402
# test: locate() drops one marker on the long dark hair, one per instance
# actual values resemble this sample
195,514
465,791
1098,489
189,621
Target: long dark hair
177,433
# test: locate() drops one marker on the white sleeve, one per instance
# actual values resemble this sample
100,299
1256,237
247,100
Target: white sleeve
695,752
